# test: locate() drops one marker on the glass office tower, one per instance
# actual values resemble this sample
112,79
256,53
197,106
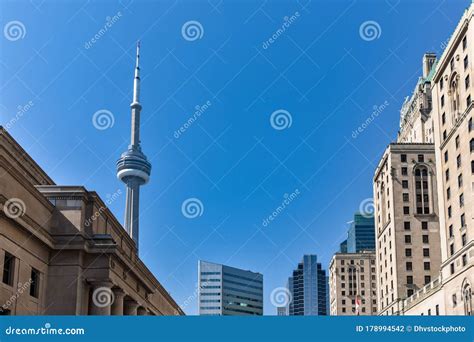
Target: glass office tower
229,291
361,234
343,247
309,289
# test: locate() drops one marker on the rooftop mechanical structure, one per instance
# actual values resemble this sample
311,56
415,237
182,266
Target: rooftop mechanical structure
133,168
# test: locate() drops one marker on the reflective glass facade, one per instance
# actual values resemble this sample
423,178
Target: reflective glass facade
229,291
361,234
308,286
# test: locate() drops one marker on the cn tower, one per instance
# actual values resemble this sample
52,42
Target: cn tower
133,168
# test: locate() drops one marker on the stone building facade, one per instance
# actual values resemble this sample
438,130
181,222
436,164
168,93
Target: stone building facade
353,284
407,223
452,93
63,252
416,124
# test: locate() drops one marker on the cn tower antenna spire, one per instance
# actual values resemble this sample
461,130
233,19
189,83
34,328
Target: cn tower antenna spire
133,168
136,82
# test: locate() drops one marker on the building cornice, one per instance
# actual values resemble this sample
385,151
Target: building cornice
455,37
15,151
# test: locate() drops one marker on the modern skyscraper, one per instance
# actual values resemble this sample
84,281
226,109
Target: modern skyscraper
133,167
308,287
353,284
229,291
343,247
361,234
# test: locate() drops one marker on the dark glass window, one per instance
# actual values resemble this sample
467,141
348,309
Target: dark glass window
35,282
8,268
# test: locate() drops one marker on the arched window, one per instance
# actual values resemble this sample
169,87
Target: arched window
467,298
422,190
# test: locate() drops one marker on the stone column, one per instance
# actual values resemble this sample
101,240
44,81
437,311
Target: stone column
117,305
101,298
130,307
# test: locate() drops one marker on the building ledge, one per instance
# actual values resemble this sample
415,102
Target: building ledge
422,293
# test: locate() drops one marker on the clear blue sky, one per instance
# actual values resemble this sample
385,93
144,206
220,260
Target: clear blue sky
319,69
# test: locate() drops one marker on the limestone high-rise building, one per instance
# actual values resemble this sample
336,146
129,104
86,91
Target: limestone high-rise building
353,284
407,224
416,124
452,93
406,202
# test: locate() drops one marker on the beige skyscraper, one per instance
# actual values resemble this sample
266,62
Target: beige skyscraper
451,293
406,202
407,227
352,284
